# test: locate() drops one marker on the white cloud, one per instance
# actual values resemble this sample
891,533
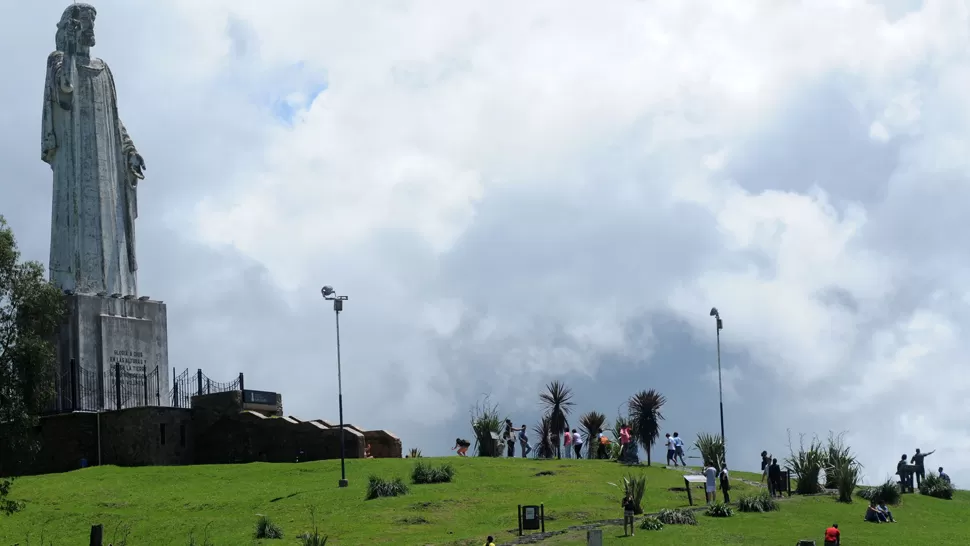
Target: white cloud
519,192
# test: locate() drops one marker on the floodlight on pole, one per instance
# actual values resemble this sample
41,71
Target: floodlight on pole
328,293
720,391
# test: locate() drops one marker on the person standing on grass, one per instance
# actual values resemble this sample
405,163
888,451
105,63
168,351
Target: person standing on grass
918,461
774,478
510,438
624,440
711,487
567,441
629,509
725,483
524,440
604,446
679,449
833,537
765,463
669,442
578,444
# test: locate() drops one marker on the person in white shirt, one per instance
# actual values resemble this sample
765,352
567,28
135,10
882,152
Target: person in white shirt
679,448
578,444
669,442
711,474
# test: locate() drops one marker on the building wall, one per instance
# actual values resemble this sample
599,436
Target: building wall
216,430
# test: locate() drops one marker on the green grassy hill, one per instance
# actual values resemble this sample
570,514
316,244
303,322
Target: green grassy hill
168,505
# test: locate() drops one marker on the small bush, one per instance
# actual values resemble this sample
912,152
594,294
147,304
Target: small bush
313,537
757,503
719,510
933,486
845,475
378,487
415,453
265,528
807,465
651,524
679,516
635,486
429,473
888,493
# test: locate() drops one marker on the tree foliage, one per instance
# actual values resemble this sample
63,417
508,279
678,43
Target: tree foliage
30,312
557,403
645,418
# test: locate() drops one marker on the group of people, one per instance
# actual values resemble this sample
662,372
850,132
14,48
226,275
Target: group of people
918,460
675,449
572,440
878,512
771,470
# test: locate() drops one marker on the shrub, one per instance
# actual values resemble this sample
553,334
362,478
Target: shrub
933,486
414,453
378,487
485,420
888,493
429,473
651,524
846,475
761,502
313,537
837,455
679,516
711,447
265,528
807,466
719,510
634,486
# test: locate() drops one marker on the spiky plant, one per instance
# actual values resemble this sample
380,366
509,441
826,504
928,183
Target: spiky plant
807,465
414,453
593,423
556,402
838,456
634,486
543,448
888,492
711,448
846,475
645,416
485,420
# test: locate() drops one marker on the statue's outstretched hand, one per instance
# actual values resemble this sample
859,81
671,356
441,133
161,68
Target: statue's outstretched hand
136,165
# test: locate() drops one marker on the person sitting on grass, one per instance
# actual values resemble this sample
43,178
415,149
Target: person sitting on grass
885,511
944,476
367,454
873,515
490,541
629,508
462,447
833,537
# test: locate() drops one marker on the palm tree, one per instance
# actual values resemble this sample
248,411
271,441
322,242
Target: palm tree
557,401
543,447
645,416
593,423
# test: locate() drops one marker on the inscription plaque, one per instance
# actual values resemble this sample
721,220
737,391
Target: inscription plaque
127,341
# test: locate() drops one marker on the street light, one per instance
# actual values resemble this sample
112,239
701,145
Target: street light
720,391
328,293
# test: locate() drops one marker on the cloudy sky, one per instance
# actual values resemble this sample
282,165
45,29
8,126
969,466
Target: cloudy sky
521,192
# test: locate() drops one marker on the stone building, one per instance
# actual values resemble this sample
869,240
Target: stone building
218,428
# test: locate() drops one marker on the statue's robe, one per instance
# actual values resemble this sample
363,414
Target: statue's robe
94,199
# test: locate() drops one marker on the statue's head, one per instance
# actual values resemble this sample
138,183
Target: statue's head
85,15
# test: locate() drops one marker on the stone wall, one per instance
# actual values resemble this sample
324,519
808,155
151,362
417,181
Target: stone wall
216,430
383,444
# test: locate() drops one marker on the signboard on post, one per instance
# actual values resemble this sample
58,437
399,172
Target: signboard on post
532,518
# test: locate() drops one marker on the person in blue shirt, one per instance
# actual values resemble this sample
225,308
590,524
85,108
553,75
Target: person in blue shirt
679,449
944,476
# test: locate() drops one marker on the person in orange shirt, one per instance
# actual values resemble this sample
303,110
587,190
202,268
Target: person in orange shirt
833,537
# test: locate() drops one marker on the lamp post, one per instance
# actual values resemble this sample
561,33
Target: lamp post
720,390
338,306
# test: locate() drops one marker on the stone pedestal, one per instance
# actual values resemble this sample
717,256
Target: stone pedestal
113,353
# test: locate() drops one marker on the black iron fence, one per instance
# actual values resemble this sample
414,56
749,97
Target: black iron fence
186,385
123,386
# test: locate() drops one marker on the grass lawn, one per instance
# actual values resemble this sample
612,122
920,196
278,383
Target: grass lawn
168,505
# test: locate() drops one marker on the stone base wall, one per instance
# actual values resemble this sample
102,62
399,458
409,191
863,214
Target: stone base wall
215,431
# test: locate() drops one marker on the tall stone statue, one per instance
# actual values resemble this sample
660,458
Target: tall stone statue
96,166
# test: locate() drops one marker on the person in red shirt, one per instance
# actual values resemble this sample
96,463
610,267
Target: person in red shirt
833,536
